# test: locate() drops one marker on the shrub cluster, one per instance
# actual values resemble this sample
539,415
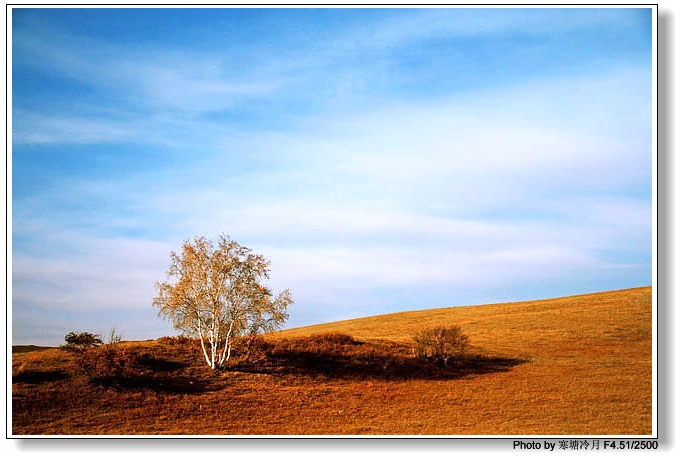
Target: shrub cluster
98,360
106,362
176,340
327,343
333,338
445,345
253,348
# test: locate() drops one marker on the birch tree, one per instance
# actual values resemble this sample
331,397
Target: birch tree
215,293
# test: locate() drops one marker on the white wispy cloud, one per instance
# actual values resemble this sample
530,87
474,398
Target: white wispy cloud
80,274
408,26
36,128
152,79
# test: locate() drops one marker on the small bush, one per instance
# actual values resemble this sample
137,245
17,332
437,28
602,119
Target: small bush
443,343
82,341
106,362
258,346
322,344
176,340
180,347
334,339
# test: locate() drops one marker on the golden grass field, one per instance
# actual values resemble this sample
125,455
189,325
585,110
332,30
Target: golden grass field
579,365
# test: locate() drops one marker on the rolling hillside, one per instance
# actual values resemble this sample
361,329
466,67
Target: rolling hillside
511,326
589,369
579,365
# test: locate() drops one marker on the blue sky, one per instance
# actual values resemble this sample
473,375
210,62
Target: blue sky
382,159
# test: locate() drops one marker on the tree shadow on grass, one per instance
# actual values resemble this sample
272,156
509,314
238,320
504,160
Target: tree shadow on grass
389,367
153,363
151,373
172,384
364,361
39,376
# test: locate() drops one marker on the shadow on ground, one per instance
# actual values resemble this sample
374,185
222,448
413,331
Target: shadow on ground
39,376
176,384
363,361
154,373
318,358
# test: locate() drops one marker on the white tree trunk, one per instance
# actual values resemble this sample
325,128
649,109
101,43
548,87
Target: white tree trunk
204,349
200,333
227,345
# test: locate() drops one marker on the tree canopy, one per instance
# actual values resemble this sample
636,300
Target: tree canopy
215,293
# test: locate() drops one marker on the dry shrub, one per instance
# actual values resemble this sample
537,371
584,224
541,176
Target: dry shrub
333,339
107,362
180,344
328,343
19,368
256,347
442,343
176,340
81,341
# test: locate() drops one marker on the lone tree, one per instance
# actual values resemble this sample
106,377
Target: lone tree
215,293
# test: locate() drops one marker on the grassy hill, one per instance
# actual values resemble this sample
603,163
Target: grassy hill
530,328
579,365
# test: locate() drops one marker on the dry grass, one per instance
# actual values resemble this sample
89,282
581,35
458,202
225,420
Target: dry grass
570,366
